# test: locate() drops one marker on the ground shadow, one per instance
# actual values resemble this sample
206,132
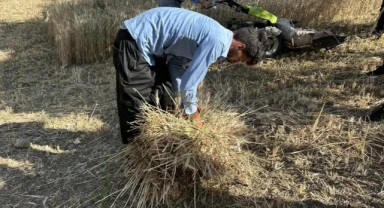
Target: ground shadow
37,95
294,100
297,90
214,199
57,166
32,82
222,198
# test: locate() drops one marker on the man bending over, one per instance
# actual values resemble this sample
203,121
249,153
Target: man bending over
173,31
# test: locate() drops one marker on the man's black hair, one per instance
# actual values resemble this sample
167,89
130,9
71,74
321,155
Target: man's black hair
256,43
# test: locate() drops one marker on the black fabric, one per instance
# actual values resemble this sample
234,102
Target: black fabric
377,72
163,87
377,114
380,24
137,82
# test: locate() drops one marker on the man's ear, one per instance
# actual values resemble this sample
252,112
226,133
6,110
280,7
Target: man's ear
241,46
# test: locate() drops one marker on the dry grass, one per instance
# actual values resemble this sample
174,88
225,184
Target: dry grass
21,165
313,132
31,9
350,16
172,157
48,149
50,107
83,31
307,131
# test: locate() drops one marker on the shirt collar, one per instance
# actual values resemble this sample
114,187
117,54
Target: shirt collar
229,37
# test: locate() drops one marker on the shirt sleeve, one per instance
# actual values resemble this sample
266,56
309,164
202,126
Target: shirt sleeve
195,1
206,54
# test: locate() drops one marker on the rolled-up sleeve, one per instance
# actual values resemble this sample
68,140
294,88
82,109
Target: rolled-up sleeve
206,54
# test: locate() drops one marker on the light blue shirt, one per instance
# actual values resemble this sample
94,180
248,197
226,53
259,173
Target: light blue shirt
174,31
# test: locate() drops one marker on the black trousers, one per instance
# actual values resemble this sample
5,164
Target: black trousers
137,83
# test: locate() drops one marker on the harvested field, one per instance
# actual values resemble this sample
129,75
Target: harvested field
303,117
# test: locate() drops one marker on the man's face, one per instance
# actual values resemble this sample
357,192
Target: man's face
236,55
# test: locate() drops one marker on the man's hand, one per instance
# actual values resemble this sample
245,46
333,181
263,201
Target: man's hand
196,117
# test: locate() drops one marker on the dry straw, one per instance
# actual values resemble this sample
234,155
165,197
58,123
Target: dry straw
172,157
313,13
83,30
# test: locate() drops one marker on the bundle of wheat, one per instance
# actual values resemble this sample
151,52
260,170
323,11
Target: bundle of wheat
172,156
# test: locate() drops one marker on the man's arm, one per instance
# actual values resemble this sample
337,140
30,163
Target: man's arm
206,54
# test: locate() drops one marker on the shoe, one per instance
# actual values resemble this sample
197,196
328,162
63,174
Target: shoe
377,72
